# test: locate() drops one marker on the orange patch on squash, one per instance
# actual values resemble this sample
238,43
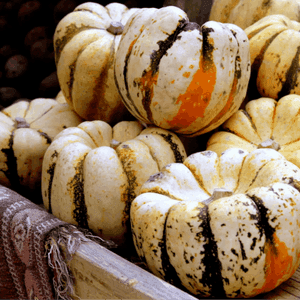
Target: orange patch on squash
197,96
228,104
278,264
131,45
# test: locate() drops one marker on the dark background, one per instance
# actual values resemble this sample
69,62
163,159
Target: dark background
27,68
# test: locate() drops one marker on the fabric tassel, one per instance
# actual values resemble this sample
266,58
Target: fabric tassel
68,238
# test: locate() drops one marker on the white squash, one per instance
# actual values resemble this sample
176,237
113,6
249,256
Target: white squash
221,226
92,172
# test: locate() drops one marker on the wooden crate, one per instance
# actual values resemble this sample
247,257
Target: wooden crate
101,274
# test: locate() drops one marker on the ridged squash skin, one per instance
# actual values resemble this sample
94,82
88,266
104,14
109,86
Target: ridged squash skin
85,42
221,226
264,123
92,172
179,76
26,131
244,13
274,52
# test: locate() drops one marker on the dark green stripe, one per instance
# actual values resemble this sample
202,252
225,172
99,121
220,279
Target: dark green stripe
124,153
72,68
128,98
50,171
165,45
259,58
253,92
262,219
131,107
251,123
100,85
46,136
72,30
170,273
12,167
157,55
76,186
207,48
208,62
212,276
174,147
250,119
291,80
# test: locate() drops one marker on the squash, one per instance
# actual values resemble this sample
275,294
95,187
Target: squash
85,42
92,172
197,11
264,123
244,13
60,98
274,66
26,131
221,226
179,76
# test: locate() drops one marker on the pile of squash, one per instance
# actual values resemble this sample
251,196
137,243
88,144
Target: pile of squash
118,150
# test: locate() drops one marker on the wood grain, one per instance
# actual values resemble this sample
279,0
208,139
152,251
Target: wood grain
102,274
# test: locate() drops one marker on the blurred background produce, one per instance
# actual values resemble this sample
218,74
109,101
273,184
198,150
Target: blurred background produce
27,68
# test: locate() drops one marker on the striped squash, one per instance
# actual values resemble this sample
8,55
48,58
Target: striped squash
179,76
244,13
264,123
26,131
92,172
275,52
221,226
85,42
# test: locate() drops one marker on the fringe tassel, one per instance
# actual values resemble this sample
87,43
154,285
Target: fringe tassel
71,238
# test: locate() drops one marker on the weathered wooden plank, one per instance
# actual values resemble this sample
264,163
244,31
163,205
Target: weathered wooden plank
292,284
101,274
289,289
296,276
278,294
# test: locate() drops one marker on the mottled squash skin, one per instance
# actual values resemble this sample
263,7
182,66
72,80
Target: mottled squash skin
221,226
264,123
179,76
92,172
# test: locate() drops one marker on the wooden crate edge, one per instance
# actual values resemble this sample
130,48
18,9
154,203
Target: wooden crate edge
102,274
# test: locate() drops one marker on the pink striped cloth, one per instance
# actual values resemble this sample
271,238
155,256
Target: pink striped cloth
32,265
